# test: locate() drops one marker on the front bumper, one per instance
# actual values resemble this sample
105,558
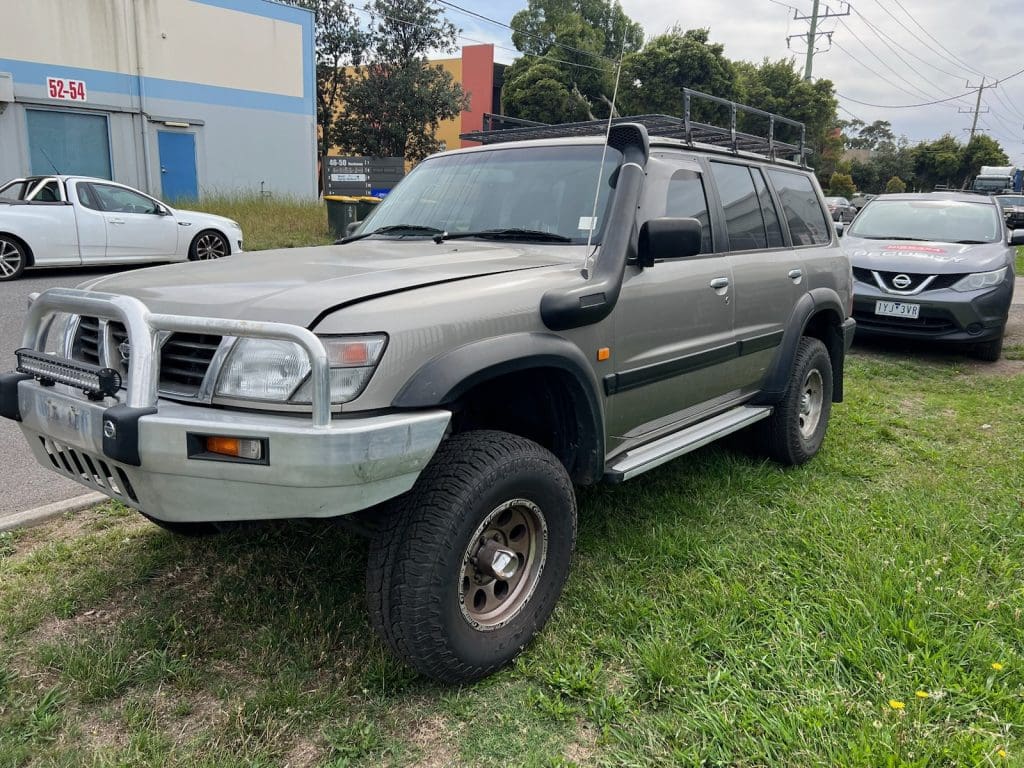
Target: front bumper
150,453
945,315
353,464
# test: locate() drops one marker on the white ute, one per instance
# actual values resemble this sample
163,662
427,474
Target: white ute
70,221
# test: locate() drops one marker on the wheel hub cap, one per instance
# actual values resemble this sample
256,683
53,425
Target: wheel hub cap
502,564
812,397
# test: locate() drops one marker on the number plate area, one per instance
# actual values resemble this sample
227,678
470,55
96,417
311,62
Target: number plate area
65,418
897,309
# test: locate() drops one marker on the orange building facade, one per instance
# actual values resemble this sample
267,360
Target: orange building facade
481,78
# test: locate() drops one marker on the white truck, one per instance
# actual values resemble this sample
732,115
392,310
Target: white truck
67,221
998,180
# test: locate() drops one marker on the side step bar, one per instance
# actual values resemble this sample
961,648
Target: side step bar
654,454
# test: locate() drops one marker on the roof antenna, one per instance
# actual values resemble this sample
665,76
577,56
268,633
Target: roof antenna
592,224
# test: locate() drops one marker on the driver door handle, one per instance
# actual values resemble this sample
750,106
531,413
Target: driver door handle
719,283
115,221
796,274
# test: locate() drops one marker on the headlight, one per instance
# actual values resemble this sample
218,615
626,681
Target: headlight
263,369
353,360
234,224
278,371
980,280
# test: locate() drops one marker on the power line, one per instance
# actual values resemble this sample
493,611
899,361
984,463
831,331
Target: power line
918,39
880,76
956,58
502,24
894,44
905,106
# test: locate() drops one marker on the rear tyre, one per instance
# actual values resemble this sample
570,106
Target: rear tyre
989,351
474,557
795,430
13,258
208,245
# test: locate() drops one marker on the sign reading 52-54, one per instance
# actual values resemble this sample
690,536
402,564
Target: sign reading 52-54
63,88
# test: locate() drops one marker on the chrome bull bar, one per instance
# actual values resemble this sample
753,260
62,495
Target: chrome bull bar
142,326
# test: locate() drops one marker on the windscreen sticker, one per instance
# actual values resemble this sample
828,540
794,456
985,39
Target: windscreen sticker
587,223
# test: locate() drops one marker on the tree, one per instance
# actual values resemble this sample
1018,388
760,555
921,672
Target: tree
895,185
536,90
871,136
571,45
542,27
937,162
338,42
981,150
394,101
841,185
653,78
779,87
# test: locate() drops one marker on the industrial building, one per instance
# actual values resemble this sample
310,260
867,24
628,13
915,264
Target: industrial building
179,98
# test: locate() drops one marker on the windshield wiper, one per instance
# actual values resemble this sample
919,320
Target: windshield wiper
395,229
893,237
971,242
506,233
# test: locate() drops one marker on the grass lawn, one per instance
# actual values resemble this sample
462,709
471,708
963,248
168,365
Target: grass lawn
865,610
272,222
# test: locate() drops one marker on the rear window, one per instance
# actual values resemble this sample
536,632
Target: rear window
807,223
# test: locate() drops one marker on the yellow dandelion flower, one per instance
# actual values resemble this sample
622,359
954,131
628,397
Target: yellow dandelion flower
1001,753
895,704
996,666
922,694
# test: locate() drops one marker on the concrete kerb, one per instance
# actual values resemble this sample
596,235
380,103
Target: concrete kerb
46,512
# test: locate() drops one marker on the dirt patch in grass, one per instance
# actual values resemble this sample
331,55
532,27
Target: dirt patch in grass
582,750
430,737
303,754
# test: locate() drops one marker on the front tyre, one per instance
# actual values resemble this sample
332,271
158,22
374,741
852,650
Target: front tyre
475,557
796,428
13,258
989,351
208,245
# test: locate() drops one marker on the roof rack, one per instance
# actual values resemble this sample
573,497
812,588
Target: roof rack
665,126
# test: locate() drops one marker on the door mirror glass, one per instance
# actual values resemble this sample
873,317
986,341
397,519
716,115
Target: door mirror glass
668,238
1017,237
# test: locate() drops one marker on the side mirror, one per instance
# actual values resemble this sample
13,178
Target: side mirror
840,228
1017,237
351,227
668,238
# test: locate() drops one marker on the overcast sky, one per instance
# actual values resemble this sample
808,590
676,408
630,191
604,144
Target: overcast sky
953,42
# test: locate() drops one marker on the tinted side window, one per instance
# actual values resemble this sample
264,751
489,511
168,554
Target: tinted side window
771,217
87,197
743,218
120,200
686,199
807,224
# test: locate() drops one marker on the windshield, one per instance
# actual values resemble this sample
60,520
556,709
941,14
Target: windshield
990,185
540,189
948,221
1005,201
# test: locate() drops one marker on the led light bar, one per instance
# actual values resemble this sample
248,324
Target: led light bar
96,382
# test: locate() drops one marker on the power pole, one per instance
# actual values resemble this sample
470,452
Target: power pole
977,106
813,34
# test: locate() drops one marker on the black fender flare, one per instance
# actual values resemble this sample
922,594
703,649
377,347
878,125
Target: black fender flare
444,379
812,304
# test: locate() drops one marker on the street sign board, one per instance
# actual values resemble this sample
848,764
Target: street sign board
358,176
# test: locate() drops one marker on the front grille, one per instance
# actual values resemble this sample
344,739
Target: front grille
87,341
89,470
184,360
938,281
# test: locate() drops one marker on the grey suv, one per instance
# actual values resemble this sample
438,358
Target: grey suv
448,375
